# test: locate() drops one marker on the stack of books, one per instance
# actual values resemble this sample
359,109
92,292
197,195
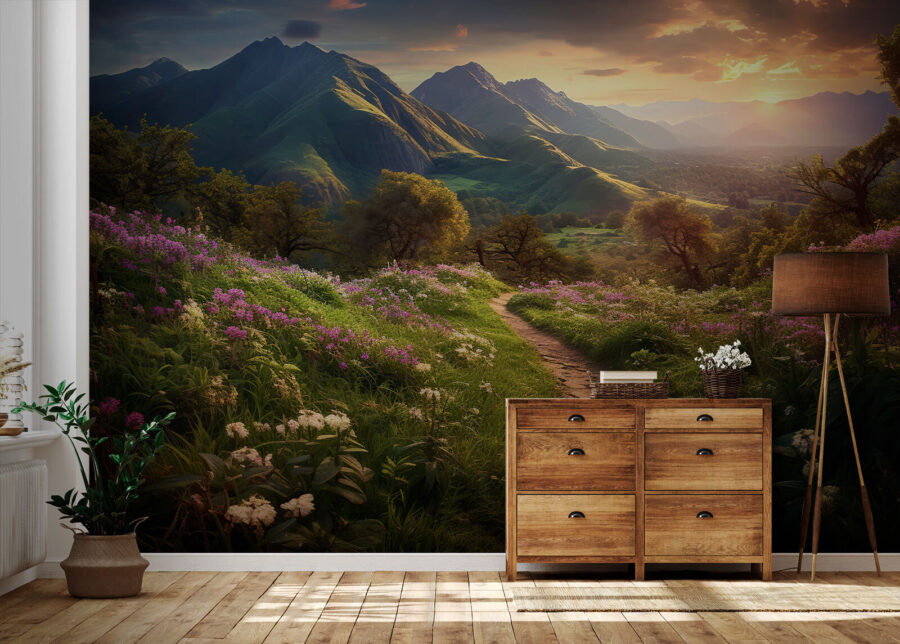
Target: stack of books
623,377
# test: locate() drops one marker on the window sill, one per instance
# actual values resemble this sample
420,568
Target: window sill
28,440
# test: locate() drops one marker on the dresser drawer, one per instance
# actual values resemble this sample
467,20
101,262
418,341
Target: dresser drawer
674,524
703,418
574,417
575,525
593,460
703,461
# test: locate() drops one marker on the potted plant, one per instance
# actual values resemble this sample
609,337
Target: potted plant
723,371
104,560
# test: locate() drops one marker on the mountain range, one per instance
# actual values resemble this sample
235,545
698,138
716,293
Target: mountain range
332,123
827,119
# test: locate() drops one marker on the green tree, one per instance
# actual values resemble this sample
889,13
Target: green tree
676,231
140,170
889,57
275,220
222,201
846,188
407,217
517,246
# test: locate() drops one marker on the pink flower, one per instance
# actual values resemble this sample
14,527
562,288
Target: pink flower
236,333
109,406
134,420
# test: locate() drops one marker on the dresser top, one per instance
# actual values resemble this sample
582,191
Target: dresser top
646,402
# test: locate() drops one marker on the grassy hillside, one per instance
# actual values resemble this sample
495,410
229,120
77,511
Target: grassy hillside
383,397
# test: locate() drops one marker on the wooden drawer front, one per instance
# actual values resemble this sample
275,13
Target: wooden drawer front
574,417
544,527
672,526
703,461
703,418
575,461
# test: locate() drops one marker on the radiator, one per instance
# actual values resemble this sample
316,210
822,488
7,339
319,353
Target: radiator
23,516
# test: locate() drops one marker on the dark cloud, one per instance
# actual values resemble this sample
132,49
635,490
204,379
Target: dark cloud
301,29
671,35
602,73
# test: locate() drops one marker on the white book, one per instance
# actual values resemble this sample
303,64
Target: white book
627,376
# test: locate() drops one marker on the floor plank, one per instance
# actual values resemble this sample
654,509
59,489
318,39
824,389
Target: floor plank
415,607
148,615
336,622
299,617
528,628
117,610
415,611
452,609
227,613
379,610
193,610
70,623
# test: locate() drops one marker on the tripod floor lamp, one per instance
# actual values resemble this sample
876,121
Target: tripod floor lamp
831,285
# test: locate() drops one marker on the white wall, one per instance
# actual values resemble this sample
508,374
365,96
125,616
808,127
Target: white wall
44,76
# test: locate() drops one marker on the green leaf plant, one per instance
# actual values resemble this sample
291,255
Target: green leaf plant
102,509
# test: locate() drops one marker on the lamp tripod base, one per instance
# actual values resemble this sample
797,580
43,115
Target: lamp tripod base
817,459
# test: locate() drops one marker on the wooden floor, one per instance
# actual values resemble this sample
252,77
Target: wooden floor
413,607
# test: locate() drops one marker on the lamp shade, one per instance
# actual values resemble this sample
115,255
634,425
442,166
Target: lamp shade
818,283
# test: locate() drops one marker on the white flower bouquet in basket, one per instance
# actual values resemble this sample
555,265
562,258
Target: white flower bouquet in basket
722,371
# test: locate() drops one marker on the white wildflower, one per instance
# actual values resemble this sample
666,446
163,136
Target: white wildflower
236,430
249,456
310,418
255,512
299,507
337,420
423,366
486,386
430,394
416,412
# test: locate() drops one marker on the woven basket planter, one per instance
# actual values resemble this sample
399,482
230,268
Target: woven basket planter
721,383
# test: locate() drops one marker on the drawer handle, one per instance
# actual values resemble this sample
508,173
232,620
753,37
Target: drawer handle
704,451
576,451
576,515
576,418
704,418
703,514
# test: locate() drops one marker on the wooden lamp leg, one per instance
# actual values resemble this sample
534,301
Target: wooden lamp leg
807,499
817,507
867,508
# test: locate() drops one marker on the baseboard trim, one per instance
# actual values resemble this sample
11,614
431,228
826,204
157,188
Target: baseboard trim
444,561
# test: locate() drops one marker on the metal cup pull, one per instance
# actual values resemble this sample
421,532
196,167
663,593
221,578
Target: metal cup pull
576,451
704,451
577,514
703,514
704,418
576,418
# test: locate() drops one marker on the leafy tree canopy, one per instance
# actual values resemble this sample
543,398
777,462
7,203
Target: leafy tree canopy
139,170
676,231
407,217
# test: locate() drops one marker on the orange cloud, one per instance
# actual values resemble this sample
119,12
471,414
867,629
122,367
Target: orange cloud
345,5
462,31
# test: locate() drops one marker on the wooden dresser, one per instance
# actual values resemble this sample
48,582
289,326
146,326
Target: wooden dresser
670,480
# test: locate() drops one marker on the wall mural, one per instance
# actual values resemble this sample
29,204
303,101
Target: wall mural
307,215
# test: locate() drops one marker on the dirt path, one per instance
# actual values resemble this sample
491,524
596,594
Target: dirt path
566,363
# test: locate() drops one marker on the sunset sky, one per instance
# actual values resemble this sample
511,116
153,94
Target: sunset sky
598,52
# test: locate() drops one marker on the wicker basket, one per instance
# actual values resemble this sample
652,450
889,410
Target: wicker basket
721,383
599,389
